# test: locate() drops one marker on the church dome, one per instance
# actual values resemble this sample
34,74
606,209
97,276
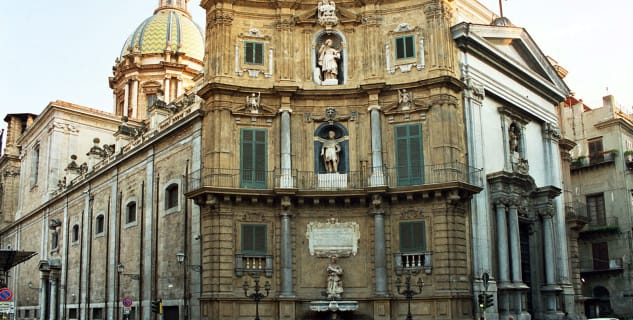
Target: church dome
168,28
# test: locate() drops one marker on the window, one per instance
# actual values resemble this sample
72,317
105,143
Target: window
72,313
600,255
151,98
253,53
595,146
171,196
54,240
254,239
253,158
595,208
412,236
97,313
405,47
35,165
130,212
409,160
99,227
75,234
27,313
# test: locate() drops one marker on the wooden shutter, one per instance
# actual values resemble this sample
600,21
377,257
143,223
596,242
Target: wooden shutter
409,155
412,236
600,252
253,161
254,239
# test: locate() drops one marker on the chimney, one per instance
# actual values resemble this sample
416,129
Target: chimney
608,101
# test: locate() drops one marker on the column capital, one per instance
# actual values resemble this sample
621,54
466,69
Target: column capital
374,107
285,109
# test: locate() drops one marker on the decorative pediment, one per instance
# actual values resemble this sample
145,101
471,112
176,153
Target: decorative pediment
253,107
343,15
513,51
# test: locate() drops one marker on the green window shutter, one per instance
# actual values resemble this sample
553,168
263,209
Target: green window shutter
254,52
253,158
254,239
405,47
412,236
409,155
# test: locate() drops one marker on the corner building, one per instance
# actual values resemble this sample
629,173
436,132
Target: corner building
381,79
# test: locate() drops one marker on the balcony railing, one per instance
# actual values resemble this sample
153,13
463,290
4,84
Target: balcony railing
413,261
594,265
353,180
249,263
593,159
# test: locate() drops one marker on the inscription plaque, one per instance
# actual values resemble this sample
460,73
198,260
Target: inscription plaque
333,238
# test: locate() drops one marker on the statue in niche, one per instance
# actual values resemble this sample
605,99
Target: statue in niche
330,152
514,135
252,102
328,61
334,279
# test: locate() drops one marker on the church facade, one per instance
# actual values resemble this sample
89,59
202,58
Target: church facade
309,158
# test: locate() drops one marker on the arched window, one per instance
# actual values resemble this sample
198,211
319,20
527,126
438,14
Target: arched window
99,224
75,233
130,212
54,240
171,196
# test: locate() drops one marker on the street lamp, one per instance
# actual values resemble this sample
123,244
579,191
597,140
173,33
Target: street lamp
408,292
181,258
257,295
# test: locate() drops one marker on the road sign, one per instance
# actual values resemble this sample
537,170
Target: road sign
6,306
127,302
126,310
6,294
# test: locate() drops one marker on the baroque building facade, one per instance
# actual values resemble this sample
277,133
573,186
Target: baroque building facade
331,152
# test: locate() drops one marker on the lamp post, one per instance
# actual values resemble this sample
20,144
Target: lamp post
408,292
257,296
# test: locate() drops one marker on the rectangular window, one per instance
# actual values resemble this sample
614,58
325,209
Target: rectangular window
97,313
253,158
405,47
254,53
72,313
254,239
130,215
409,156
595,146
151,98
35,165
595,208
412,236
600,255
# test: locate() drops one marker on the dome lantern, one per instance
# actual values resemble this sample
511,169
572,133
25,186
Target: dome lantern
173,4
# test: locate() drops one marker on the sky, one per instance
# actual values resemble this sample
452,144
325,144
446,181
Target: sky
65,49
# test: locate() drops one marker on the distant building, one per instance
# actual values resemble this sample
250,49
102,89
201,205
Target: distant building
601,180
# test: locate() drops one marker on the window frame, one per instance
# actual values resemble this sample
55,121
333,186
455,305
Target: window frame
412,247
131,204
99,223
172,199
252,176
405,47
597,202
254,228
253,52
75,231
406,175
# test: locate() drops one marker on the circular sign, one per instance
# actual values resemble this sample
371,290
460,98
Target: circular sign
127,302
6,294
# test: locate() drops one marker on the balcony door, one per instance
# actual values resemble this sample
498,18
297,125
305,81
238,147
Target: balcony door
253,158
409,156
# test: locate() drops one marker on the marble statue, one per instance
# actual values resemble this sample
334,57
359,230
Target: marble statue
252,102
328,61
334,279
330,153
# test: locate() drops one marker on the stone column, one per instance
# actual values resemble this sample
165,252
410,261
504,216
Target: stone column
502,243
53,297
515,245
286,165
134,99
126,99
167,87
45,270
377,177
548,247
380,253
286,251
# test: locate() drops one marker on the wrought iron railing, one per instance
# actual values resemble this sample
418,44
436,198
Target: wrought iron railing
309,180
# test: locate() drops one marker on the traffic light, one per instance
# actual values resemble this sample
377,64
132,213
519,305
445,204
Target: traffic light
480,298
490,300
157,306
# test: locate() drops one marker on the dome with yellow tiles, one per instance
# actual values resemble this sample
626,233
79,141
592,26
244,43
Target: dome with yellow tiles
168,29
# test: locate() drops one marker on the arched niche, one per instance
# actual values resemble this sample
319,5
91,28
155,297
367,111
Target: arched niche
321,134
338,42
